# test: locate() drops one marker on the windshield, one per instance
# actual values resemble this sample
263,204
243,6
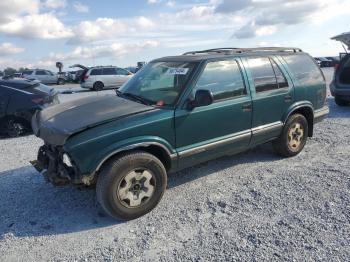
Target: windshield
159,83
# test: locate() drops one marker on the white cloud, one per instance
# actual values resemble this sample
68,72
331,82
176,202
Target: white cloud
45,26
54,4
171,3
115,50
151,2
16,8
9,49
80,7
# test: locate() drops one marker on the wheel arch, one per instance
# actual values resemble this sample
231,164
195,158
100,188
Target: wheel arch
306,109
154,148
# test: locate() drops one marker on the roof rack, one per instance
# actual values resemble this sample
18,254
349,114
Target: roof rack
233,50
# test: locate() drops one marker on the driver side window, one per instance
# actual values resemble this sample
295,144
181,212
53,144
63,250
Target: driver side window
223,78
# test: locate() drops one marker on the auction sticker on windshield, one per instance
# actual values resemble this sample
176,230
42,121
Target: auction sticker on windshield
177,71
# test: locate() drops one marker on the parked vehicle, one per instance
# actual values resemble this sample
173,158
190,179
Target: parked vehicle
19,99
340,85
323,62
98,78
334,59
44,76
177,112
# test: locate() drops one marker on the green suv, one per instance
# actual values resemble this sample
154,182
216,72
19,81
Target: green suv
177,112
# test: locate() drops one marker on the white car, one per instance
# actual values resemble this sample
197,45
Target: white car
98,78
44,76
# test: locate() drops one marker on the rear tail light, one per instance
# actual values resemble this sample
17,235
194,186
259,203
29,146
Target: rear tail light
38,100
86,77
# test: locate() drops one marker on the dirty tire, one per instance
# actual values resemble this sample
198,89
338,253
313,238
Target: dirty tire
340,102
15,127
296,128
98,86
116,171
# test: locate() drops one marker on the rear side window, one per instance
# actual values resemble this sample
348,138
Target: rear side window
122,72
281,79
96,72
27,72
263,74
223,78
304,69
109,71
40,72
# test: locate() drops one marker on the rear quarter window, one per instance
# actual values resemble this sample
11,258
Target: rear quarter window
304,69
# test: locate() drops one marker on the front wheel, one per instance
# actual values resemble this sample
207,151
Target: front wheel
131,185
293,137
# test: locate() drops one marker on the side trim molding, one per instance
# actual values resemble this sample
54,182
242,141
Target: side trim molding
267,128
321,114
236,137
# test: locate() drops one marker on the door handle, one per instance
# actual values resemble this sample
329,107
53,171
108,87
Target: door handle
288,98
247,107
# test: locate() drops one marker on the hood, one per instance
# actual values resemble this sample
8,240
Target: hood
55,124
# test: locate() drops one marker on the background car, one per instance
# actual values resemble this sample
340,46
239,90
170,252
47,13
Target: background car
323,62
98,78
44,76
19,99
340,86
334,59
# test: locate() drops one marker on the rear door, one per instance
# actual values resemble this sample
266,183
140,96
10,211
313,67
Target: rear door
221,128
51,77
109,77
4,99
272,94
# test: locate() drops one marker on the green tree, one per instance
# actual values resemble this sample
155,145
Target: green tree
10,71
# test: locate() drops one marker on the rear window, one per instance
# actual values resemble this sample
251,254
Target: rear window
27,72
109,71
95,72
263,74
304,69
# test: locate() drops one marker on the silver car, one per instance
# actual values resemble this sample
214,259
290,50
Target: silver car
98,78
44,76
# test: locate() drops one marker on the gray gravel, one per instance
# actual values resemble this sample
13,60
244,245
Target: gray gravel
252,206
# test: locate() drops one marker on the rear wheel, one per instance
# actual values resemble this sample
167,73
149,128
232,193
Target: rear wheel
293,137
61,81
98,86
340,102
131,185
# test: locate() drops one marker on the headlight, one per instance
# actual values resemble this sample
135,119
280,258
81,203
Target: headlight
66,160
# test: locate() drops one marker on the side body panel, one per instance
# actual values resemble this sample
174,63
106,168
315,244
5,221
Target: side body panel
208,132
269,107
89,148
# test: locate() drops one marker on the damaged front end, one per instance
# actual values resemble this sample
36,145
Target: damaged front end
56,166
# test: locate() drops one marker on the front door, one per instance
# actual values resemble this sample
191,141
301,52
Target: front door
272,95
221,128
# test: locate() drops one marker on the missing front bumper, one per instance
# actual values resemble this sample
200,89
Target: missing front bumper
49,163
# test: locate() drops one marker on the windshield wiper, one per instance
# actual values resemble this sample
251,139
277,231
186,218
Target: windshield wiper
134,97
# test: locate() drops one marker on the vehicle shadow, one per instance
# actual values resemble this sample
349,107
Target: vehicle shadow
336,111
31,207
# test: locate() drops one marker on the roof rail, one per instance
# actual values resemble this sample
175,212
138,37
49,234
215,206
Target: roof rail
233,50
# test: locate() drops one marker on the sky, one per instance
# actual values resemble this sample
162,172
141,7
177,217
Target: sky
38,33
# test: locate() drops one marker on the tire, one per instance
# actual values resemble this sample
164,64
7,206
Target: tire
61,81
123,179
14,127
340,102
293,137
98,86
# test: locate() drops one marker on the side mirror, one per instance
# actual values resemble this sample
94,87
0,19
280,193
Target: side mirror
202,97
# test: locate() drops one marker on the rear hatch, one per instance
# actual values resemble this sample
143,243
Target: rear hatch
80,74
342,72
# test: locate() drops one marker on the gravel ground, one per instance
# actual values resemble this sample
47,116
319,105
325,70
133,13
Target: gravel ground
252,206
